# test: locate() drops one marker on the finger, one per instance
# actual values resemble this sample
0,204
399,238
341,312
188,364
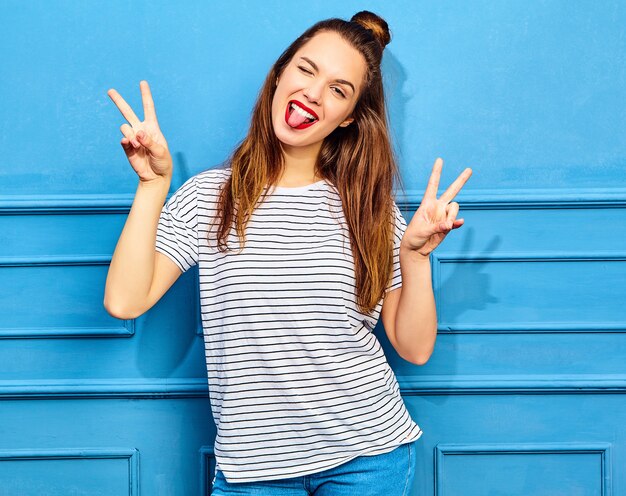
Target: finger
149,113
123,107
129,133
445,225
453,210
129,149
155,149
456,186
433,181
445,228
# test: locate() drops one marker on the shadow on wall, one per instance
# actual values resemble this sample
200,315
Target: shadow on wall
394,79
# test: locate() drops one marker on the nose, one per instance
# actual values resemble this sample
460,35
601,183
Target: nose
313,93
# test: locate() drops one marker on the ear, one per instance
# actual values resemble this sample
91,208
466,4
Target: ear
347,122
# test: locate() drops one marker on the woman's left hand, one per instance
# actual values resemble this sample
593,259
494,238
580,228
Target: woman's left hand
434,218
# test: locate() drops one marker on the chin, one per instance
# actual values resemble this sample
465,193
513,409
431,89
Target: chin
290,138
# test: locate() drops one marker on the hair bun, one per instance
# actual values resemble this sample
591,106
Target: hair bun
376,24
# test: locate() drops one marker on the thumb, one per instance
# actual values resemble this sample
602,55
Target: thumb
153,147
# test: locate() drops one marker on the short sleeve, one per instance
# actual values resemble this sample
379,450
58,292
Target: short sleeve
400,227
177,234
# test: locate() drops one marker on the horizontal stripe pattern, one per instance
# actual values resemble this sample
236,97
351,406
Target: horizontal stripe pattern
298,383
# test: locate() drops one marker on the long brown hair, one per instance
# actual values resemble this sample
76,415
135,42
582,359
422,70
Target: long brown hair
358,159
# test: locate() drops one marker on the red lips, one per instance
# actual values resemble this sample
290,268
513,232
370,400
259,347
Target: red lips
304,125
304,107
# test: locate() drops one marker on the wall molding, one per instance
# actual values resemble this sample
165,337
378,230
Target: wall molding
130,454
548,384
506,327
125,328
207,469
437,385
577,448
475,199
522,199
124,331
105,389
65,204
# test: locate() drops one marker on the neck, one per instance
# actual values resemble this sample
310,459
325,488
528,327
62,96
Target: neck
300,163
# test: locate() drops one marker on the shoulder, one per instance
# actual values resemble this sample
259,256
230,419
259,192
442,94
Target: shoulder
399,222
211,178
204,185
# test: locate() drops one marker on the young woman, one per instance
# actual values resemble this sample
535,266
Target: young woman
300,248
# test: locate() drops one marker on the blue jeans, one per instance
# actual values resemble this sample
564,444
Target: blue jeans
389,474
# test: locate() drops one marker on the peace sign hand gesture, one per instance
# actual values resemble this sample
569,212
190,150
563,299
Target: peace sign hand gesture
434,218
143,142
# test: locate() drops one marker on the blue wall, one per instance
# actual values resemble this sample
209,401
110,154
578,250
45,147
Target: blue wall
524,393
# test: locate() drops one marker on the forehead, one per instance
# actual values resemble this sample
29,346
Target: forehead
334,56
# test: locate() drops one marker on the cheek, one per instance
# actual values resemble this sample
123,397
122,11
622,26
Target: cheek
338,113
277,104
281,96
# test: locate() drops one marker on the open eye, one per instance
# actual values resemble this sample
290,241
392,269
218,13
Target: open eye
340,92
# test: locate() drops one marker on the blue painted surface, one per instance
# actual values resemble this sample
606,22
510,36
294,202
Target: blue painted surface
524,394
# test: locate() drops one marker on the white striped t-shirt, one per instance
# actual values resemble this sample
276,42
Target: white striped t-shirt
298,382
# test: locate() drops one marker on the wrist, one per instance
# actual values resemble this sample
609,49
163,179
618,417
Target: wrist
160,182
413,255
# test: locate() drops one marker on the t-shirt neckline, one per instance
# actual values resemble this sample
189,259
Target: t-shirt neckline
306,187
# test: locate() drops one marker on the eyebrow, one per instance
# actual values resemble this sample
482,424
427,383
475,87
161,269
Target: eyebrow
340,81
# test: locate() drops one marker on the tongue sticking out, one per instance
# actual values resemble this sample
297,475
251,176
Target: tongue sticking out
296,118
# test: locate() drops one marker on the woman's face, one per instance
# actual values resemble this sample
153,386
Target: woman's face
323,81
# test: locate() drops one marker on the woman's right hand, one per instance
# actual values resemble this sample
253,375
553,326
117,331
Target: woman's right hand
143,142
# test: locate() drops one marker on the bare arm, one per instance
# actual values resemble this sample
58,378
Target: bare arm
412,315
409,314
138,275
